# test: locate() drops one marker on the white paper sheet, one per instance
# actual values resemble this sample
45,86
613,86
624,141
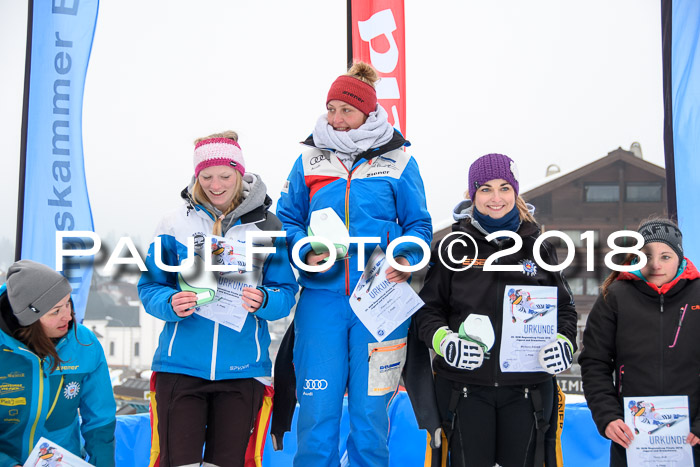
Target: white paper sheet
529,322
661,425
46,453
382,305
227,306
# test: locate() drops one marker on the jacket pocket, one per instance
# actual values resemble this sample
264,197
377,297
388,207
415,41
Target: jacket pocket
385,362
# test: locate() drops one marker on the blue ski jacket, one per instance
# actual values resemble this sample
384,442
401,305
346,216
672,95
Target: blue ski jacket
35,402
381,196
198,346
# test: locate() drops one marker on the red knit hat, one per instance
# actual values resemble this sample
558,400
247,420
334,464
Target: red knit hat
352,91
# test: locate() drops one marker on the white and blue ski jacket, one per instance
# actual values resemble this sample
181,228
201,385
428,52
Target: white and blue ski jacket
198,346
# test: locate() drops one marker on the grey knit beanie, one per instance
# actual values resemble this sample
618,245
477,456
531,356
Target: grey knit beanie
33,289
664,231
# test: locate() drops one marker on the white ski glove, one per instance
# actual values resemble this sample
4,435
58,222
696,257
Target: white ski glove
457,352
557,356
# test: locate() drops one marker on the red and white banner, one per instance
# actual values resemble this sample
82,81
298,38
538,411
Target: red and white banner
379,38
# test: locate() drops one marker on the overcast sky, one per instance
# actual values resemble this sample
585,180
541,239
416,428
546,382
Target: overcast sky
546,82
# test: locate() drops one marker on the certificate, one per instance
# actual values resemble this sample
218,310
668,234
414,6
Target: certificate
529,322
382,305
660,425
46,453
227,306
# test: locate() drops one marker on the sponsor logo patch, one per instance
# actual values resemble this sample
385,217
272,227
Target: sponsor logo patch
315,384
12,401
71,390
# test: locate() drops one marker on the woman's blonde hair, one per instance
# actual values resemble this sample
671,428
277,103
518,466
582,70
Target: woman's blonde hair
200,197
364,72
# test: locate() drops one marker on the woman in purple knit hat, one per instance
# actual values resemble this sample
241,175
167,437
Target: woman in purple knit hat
501,324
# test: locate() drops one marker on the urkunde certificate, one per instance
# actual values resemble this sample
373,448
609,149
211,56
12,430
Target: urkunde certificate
660,425
227,306
379,304
529,322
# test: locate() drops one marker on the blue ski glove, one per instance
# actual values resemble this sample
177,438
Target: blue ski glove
457,352
557,356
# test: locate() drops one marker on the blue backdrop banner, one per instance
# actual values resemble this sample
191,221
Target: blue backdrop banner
55,193
685,102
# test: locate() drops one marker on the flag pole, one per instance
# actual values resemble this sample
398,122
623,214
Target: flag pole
349,32
23,140
666,42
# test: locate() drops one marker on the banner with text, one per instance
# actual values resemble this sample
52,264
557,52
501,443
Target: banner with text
55,193
379,38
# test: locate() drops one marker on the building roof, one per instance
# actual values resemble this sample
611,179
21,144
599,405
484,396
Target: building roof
553,182
132,388
101,306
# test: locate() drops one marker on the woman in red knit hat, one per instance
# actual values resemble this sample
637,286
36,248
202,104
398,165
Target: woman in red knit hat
355,164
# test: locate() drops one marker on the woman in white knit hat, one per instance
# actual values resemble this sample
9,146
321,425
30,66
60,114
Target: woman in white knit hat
51,368
210,376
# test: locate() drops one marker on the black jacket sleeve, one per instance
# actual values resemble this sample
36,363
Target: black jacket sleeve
567,318
436,296
597,362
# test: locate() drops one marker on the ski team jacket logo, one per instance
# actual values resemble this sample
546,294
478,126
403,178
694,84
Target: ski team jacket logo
320,169
529,267
71,390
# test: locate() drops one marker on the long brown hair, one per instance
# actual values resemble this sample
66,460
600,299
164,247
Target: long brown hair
612,277
34,337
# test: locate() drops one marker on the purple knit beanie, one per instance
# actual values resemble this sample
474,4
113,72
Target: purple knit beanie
491,167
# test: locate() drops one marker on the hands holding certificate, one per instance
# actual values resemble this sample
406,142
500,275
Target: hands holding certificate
619,432
394,275
183,303
252,299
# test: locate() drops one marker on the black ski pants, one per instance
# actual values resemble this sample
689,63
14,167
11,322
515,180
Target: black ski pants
493,424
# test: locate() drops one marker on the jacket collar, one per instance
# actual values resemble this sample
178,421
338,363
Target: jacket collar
397,141
689,273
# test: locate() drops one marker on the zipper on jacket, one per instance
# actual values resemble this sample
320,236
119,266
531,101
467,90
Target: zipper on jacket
385,349
39,402
347,226
214,345
499,317
58,391
661,340
527,392
172,341
621,372
465,392
257,340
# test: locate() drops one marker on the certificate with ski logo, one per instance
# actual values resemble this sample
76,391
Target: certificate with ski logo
227,306
660,425
382,305
46,453
529,322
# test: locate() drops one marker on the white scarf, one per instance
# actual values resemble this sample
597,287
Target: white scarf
375,132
